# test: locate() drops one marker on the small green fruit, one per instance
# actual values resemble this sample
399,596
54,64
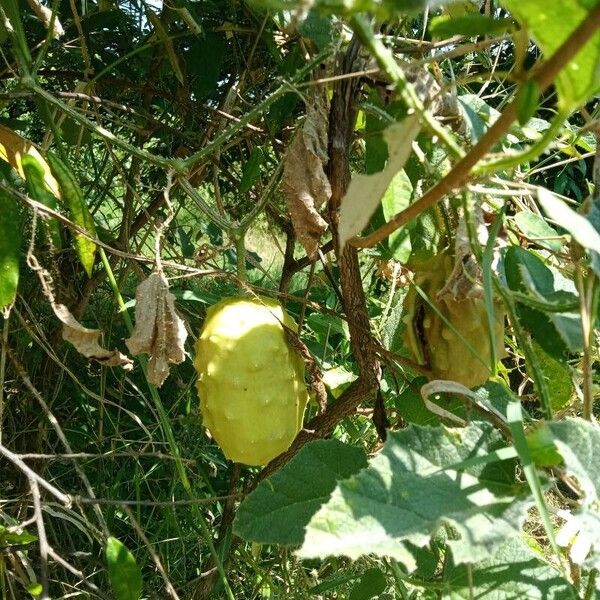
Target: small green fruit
250,380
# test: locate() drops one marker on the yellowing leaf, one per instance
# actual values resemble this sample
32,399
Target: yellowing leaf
13,148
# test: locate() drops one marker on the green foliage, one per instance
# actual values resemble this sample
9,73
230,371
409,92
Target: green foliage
280,508
125,575
578,442
470,25
169,128
411,489
10,249
73,198
514,571
550,25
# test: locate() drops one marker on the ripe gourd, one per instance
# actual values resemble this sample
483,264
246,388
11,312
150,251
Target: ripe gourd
250,379
460,352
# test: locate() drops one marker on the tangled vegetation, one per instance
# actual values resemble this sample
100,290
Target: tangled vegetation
403,196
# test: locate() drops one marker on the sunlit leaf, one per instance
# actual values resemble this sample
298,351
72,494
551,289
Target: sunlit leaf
124,574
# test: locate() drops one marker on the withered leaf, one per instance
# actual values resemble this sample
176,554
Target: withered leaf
86,340
305,184
159,331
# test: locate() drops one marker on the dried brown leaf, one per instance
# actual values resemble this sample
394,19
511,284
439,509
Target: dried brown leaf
86,340
159,331
305,184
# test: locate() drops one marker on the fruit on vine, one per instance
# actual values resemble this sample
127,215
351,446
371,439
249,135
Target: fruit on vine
448,333
250,379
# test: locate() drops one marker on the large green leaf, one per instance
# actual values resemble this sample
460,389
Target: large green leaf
555,332
10,249
578,442
514,571
558,378
550,24
123,572
281,506
412,488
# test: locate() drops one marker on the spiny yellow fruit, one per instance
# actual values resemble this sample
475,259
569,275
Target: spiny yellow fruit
250,380
460,352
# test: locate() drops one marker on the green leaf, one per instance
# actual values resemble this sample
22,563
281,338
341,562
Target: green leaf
593,216
165,38
527,101
8,538
550,24
470,25
331,583
514,571
542,448
396,198
411,488
578,442
558,378
124,574
72,196
577,225
410,405
36,186
382,8
478,115
204,61
10,248
251,170
317,28
281,506
365,192
337,380
35,589
537,230
526,272
371,584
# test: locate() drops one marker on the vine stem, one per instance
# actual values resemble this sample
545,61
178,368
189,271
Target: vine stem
462,172
587,287
240,255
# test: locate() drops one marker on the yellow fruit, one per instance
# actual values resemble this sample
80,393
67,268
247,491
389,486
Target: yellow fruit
460,352
250,380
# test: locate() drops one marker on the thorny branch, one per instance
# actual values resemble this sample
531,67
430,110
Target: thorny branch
341,121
